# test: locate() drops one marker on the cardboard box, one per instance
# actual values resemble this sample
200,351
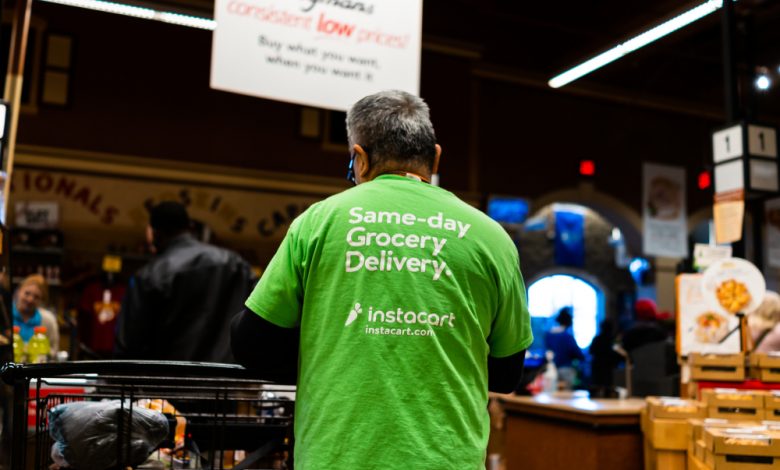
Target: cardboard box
767,366
667,434
670,460
664,459
772,414
696,464
772,399
726,367
708,458
675,408
769,375
768,360
742,442
697,427
744,462
698,359
737,413
699,447
733,398
753,360
754,372
648,455
721,373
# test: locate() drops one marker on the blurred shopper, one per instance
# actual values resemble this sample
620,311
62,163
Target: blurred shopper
605,359
561,342
409,305
28,312
179,306
646,329
764,324
99,308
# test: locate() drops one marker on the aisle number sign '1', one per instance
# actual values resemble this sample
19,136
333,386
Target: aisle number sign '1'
745,158
322,53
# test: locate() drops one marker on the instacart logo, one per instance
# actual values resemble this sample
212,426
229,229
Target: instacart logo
353,314
402,316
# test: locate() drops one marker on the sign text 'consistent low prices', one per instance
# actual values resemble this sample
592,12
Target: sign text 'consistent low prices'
323,53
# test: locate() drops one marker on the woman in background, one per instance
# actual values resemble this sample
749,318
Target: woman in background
28,313
764,324
561,342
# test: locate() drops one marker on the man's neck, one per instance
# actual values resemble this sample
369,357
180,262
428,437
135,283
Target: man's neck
167,242
414,173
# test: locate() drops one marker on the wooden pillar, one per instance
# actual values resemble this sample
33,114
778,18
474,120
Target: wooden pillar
13,86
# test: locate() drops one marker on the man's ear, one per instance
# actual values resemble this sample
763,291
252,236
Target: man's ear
362,166
435,166
150,239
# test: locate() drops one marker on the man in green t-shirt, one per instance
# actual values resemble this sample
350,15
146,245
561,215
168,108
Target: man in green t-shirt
408,304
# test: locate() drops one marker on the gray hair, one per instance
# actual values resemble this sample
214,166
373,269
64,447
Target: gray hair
395,126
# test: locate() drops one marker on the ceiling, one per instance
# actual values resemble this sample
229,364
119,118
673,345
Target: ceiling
535,40
541,39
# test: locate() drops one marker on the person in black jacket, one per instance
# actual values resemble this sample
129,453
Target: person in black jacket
179,306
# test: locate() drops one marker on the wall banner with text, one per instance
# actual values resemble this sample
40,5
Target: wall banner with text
122,204
663,211
321,53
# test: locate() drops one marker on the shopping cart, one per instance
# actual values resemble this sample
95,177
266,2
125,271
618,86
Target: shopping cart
232,419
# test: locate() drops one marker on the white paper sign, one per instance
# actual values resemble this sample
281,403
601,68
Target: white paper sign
763,175
327,54
772,217
729,176
664,215
701,329
704,255
762,141
727,143
37,214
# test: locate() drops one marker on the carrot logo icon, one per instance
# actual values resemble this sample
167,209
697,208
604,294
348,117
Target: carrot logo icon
353,314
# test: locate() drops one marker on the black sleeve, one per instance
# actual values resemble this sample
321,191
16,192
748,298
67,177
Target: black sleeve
504,373
133,340
270,350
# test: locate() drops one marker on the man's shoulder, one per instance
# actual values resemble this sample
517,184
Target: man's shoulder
187,256
207,253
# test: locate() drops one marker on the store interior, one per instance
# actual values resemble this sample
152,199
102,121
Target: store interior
116,113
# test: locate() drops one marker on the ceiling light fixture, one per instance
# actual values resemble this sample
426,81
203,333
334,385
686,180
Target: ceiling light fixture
140,12
635,43
763,82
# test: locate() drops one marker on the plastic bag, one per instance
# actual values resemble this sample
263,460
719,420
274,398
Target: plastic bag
86,434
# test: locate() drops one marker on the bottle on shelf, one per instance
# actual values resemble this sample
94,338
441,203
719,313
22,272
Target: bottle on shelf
19,346
550,376
39,348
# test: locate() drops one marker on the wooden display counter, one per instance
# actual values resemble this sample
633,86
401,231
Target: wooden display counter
545,432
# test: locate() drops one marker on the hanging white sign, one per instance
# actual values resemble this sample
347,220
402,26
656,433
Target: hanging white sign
663,211
322,53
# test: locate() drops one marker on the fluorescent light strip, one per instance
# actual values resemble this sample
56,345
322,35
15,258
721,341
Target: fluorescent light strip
635,43
140,12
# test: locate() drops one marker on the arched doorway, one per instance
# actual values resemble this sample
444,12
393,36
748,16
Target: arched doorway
548,294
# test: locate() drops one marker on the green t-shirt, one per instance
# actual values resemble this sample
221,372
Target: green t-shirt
401,291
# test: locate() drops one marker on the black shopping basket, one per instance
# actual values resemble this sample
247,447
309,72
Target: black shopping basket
219,415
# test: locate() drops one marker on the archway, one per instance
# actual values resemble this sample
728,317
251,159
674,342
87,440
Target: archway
553,291
611,209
